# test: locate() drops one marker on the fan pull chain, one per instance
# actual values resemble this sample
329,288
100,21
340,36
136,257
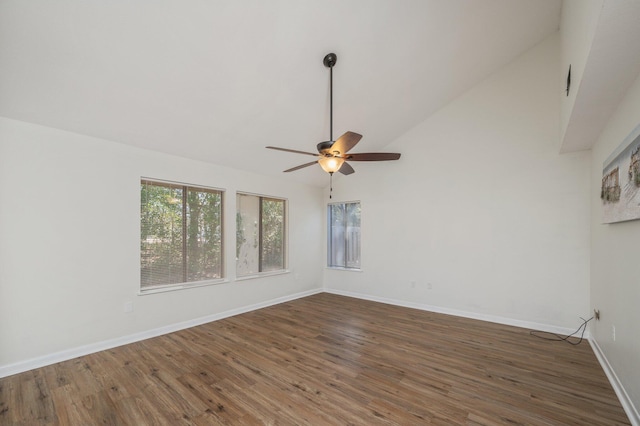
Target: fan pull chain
330,184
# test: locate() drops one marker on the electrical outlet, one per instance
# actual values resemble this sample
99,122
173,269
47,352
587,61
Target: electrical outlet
128,307
613,332
413,284
596,314
429,286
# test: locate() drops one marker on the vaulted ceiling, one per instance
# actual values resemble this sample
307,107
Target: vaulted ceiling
611,65
219,80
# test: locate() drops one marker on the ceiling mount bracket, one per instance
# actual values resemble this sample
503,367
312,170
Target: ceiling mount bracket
330,60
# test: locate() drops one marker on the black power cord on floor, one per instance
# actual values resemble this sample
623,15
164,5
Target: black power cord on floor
560,338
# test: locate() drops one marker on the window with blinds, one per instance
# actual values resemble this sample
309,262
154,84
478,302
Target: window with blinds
343,235
180,234
260,234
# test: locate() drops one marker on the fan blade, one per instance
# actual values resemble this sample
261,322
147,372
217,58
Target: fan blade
292,150
373,156
302,166
346,169
346,142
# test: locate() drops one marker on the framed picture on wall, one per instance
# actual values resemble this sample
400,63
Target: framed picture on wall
620,192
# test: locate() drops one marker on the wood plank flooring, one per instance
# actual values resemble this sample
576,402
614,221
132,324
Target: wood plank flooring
323,360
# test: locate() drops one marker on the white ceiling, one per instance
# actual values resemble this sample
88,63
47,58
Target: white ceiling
219,80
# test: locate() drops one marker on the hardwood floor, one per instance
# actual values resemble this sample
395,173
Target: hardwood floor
324,359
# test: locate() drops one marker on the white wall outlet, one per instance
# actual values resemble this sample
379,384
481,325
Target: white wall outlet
413,284
613,332
429,286
128,307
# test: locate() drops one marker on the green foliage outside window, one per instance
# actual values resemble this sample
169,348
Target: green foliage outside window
272,234
180,235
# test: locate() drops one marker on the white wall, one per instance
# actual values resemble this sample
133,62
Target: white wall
69,241
615,266
481,211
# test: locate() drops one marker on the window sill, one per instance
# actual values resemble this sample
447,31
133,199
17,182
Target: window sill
262,275
181,286
338,268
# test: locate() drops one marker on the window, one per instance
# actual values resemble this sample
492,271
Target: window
260,234
343,242
180,234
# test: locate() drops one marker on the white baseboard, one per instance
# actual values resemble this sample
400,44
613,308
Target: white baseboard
472,315
30,364
627,404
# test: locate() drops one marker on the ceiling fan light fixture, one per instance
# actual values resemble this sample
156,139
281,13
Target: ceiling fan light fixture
331,164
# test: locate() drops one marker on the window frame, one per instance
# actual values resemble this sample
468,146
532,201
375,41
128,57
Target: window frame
285,237
330,238
185,187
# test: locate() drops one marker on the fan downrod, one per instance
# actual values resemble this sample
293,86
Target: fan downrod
330,60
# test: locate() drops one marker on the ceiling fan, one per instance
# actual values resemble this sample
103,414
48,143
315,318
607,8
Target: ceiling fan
333,155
